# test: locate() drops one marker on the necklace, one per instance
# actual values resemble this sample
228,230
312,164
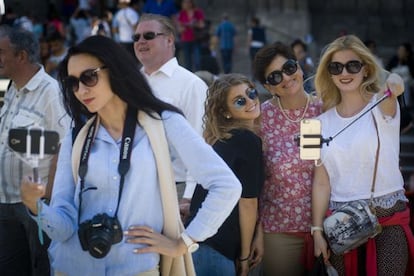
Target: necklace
287,117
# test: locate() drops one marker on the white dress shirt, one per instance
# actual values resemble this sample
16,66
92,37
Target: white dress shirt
176,85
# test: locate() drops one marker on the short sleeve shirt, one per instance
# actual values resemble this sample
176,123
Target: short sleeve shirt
38,103
285,203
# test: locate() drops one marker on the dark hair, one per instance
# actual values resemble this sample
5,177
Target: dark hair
299,42
266,55
370,43
55,36
255,21
124,77
22,40
408,48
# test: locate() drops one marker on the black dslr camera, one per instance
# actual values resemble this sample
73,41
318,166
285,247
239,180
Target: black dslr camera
99,234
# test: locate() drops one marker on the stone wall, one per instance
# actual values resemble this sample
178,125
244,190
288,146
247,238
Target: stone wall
389,23
284,19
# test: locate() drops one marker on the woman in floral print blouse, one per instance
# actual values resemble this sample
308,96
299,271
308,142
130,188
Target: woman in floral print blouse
285,203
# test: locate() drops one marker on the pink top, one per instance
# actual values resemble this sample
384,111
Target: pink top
188,22
285,202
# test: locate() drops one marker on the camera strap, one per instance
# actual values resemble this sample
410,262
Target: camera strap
124,156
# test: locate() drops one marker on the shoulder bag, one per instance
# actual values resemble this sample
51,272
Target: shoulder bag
355,222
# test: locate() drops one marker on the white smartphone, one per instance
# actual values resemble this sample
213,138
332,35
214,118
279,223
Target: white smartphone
310,139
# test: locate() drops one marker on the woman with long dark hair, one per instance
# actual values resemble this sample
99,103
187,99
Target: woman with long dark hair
113,205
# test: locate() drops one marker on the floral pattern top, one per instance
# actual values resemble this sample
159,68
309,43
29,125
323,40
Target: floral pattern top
285,202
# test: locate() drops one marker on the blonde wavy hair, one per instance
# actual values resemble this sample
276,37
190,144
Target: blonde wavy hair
216,125
324,84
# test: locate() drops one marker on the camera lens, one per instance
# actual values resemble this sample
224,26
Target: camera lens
100,243
98,234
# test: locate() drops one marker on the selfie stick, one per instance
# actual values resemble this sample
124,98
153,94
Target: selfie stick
34,161
387,94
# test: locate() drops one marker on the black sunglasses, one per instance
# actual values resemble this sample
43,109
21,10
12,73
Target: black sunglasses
251,93
353,67
88,77
289,68
146,36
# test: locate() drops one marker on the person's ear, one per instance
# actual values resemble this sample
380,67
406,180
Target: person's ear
171,39
22,56
227,115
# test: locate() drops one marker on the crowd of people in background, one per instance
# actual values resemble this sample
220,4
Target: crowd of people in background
257,208
199,45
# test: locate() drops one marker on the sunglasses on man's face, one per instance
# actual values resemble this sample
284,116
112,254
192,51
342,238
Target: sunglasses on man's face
289,68
352,67
146,36
251,93
88,77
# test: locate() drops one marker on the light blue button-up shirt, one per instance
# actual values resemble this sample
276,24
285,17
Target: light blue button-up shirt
140,202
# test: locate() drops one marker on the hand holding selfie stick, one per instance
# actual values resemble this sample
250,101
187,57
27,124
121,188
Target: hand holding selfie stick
310,139
34,162
34,143
387,94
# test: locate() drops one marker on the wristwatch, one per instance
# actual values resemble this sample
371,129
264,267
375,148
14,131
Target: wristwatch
191,245
316,228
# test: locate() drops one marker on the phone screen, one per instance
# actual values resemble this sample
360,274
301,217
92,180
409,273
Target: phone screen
18,140
310,139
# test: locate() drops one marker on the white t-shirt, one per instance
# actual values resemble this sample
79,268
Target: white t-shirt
350,157
125,21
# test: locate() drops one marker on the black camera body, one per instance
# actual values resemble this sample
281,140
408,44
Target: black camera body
98,234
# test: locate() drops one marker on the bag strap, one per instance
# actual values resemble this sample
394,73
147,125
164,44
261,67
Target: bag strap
374,177
172,221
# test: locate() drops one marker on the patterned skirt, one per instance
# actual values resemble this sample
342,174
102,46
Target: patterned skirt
391,244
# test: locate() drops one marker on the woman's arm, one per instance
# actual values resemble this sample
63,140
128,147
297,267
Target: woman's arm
257,248
59,220
247,221
207,168
396,85
321,191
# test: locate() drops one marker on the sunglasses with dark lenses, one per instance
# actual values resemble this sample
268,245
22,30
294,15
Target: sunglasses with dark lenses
251,93
353,67
289,68
88,77
146,36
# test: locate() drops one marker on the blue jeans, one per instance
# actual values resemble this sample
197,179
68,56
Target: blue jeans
20,250
191,51
209,262
227,60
